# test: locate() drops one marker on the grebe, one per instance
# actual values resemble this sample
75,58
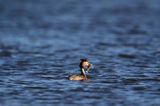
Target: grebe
84,65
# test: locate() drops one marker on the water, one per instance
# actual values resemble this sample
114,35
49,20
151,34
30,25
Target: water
42,41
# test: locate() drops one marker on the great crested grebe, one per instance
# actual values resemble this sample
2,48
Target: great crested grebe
84,65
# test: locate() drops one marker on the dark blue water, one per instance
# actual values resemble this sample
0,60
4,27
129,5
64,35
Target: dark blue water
42,41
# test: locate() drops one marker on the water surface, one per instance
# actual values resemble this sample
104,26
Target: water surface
42,41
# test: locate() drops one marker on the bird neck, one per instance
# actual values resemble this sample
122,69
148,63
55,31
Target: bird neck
83,72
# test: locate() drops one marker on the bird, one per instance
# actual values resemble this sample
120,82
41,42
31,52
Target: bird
84,65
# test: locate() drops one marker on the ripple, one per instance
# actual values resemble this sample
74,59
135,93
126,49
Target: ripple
128,81
5,53
129,56
139,88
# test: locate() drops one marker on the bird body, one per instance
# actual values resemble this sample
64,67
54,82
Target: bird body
84,65
77,77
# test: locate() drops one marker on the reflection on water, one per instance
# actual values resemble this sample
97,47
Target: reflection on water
41,43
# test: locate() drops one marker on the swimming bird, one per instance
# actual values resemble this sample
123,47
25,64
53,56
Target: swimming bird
84,65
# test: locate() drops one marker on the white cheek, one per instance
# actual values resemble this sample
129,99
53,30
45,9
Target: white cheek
87,64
